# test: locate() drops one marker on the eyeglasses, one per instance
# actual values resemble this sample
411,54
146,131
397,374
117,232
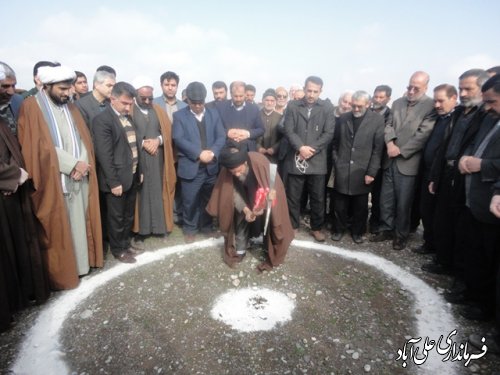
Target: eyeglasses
146,98
281,96
413,88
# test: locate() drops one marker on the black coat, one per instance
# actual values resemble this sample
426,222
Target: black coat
113,152
315,131
357,155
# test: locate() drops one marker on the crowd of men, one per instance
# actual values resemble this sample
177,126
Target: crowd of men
82,171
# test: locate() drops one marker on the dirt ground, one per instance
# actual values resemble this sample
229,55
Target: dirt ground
349,318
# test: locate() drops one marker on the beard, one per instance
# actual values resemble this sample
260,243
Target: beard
59,100
470,102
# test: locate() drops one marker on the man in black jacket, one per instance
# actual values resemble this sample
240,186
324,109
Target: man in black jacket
118,174
309,126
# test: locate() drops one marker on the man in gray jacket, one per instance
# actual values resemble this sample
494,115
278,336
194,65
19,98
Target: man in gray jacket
309,126
413,120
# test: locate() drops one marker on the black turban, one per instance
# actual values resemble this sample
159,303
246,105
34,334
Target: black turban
233,155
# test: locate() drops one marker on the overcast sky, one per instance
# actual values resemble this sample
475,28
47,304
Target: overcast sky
351,45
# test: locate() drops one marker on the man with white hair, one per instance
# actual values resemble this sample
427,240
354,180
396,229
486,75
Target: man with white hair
357,152
154,211
10,102
59,156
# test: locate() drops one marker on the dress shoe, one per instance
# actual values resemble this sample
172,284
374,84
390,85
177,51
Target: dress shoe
337,236
423,249
475,313
137,244
381,236
318,235
398,244
134,252
189,238
436,269
125,257
357,238
491,342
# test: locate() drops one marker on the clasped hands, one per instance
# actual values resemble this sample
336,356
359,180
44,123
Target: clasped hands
469,164
151,145
238,135
80,170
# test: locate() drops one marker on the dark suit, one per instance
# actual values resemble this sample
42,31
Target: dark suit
197,179
356,154
314,129
115,168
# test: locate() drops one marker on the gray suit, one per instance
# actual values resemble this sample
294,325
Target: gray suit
411,126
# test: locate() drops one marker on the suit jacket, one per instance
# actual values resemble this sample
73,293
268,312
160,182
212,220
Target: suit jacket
315,131
186,136
113,152
409,131
482,182
357,155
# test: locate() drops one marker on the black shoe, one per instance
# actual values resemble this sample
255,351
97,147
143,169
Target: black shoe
436,269
337,236
475,313
491,342
357,238
423,249
381,236
398,244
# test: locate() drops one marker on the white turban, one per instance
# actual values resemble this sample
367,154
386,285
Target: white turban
54,74
142,81
2,73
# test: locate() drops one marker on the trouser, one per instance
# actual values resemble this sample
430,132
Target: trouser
315,186
482,256
357,206
195,196
427,209
120,211
395,201
241,232
375,210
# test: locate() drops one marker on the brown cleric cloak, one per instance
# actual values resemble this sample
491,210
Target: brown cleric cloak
280,232
168,188
48,200
22,273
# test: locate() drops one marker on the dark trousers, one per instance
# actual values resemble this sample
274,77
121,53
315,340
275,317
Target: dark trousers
315,186
375,210
396,201
448,226
353,209
195,196
120,219
178,201
427,208
482,256
241,232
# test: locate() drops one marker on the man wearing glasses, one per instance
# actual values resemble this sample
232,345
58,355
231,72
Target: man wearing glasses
413,120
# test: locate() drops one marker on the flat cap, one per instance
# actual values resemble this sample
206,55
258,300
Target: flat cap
196,92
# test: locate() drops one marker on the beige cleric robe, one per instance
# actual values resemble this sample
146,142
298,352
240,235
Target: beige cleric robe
48,201
168,188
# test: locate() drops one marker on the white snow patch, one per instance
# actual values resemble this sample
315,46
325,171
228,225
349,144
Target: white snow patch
250,310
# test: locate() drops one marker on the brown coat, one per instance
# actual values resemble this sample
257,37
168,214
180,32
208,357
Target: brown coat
168,188
280,232
48,201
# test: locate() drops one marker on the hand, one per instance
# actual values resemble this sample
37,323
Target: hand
495,205
238,135
206,156
369,180
117,191
392,150
141,178
270,151
469,164
261,150
271,195
80,170
306,152
24,176
249,215
432,188
151,145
